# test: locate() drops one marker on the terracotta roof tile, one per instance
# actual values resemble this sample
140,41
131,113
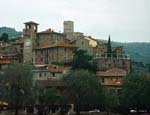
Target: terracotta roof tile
5,62
113,83
58,69
112,72
58,44
8,54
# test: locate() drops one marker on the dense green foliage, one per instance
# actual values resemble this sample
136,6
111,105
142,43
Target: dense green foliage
12,33
82,60
84,90
17,80
111,99
4,37
48,96
136,93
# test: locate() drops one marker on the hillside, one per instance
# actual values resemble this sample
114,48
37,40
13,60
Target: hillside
138,51
12,33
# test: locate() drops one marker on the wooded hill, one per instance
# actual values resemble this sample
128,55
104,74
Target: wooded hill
12,33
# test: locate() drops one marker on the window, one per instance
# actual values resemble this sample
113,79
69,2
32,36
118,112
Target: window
41,52
53,74
41,59
40,75
103,80
123,63
82,42
21,50
35,51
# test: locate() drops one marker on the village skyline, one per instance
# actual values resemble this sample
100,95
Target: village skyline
125,21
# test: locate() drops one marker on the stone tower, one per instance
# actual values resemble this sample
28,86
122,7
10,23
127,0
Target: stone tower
30,31
69,29
68,26
29,34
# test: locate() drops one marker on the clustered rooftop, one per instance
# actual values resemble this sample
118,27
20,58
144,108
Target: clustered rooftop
44,48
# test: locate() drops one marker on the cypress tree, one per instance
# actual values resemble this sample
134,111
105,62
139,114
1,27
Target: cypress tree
109,45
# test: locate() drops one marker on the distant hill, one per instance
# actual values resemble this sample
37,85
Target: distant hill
139,52
12,33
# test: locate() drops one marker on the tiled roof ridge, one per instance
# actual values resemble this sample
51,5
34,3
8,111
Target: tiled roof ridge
58,44
31,22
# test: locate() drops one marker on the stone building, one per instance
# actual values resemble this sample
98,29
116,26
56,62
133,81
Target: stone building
112,66
112,77
82,43
69,29
59,52
92,42
41,72
49,37
29,35
8,54
49,72
19,46
68,26
106,62
30,31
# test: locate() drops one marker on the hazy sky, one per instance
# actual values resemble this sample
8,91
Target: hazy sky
124,20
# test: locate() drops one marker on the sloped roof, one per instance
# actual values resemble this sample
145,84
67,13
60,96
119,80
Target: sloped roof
7,54
58,44
50,32
5,62
19,41
113,83
58,69
39,66
31,22
78,38
87,37
112,72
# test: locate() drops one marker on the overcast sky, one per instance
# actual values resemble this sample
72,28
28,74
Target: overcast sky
124,20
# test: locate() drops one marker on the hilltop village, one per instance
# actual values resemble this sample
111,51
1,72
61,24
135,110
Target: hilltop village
43,49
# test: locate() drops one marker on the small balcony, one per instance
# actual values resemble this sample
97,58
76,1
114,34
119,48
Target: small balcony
112,56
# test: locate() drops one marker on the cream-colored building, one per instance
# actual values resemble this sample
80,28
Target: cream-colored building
92,41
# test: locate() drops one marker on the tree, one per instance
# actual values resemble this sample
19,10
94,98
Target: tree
109,45
4,37
148,67
84,90
49,96
18,78
136,93
82,60
111,99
